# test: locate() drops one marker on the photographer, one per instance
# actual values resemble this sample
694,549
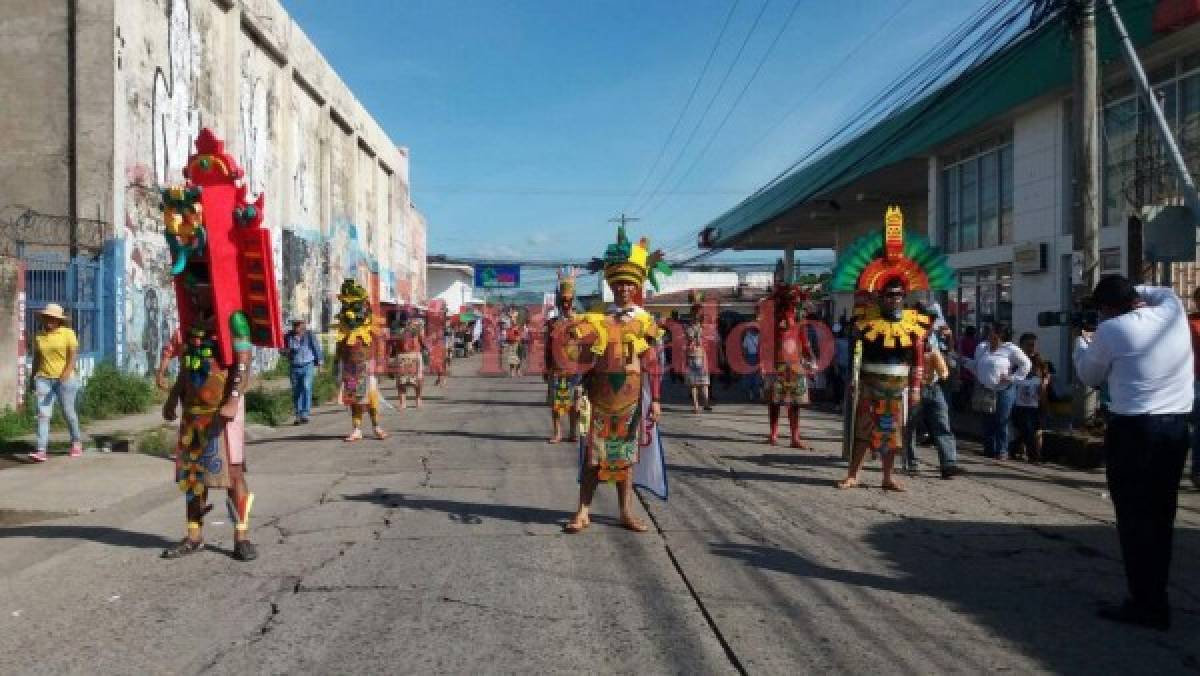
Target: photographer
1142,350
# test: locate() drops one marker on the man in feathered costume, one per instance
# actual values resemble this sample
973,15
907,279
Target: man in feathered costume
787,383
622,385
409,348
356,345
888,349
561,358
227,300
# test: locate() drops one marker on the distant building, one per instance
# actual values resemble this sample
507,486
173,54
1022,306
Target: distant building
452,284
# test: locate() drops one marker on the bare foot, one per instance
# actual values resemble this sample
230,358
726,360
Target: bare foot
634,524
555,439
356,435
848,482
418,403
891,485
772,439
577,524
380,433
796,443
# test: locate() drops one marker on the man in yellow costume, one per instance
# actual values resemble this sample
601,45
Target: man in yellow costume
621,384
888,355
561,371
356,346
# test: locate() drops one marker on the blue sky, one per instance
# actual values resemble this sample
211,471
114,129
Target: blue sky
532,122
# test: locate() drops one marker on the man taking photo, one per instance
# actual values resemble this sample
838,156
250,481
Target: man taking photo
1142,350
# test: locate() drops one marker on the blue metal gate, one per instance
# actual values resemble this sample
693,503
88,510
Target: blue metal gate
76,285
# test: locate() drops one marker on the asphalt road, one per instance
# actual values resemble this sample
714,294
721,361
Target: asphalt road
440,551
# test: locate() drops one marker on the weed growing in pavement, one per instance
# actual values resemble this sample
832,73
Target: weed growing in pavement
158,442
265,407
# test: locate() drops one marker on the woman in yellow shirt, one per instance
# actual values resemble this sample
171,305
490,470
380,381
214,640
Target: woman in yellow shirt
55,347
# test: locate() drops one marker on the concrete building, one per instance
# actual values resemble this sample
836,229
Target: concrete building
984,166
452,284
102,100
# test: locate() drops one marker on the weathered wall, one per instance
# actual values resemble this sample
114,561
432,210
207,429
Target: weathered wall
12,314
152,73
246,70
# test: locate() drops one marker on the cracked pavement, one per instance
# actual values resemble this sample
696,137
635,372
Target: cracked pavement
440,550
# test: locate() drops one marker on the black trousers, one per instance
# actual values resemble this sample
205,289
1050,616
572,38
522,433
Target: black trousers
1144,458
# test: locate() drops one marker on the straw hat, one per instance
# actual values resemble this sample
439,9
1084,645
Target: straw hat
54,311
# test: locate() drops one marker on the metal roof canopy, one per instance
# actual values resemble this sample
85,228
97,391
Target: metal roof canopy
1037,64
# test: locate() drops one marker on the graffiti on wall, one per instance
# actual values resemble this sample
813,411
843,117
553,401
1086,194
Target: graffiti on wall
176,119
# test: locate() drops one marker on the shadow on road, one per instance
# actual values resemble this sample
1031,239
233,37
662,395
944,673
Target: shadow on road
1034,586
464,512
103,534
502,402
525,438
742,475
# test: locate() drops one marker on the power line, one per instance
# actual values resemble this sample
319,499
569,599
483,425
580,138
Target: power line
734,106
686,106
928,73
712,100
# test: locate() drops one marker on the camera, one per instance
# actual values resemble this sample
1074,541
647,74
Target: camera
1084,318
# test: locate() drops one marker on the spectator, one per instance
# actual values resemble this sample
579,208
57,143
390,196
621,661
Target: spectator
304,355
1029,411
55,348
1194,325
999,364
966,348
1141,350
754,379
696,353
933,410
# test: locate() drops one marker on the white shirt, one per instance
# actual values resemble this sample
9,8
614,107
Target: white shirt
996,369
1145,357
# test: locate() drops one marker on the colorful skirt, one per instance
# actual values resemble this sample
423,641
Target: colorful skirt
560,393
611,446
206,447
881,413
358,384
788,387
409,368
511,356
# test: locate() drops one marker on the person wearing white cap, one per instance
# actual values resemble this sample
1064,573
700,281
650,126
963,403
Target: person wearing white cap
55,347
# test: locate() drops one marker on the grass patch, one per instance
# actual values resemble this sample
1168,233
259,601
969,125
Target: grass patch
158,442
16,423
324,386
281,369
268,407
111,392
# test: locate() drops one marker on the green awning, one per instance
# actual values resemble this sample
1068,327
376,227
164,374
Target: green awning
1038,64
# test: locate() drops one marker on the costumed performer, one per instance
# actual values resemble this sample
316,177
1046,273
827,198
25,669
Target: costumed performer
793,360
409,349
356,344
621,386
562,358
227,301
888,350
696,353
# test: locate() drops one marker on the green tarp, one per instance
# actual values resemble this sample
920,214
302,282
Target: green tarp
1038,64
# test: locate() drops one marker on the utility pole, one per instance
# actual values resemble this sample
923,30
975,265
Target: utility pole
623,219
1082,14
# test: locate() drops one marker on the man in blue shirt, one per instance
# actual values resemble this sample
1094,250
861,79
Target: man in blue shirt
304,354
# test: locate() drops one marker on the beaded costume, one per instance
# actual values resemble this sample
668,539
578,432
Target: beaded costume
791,360
356,357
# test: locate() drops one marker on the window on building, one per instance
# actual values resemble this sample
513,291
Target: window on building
983,298
977,189
1137,168
1110,260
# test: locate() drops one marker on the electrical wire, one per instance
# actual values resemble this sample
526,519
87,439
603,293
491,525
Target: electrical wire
732,108
686,106
708,108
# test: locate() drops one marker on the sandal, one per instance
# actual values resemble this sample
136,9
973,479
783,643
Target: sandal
380,433
185,547
577,525
847,483
244,550
356,435
634,524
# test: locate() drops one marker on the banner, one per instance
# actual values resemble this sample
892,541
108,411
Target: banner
497,276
